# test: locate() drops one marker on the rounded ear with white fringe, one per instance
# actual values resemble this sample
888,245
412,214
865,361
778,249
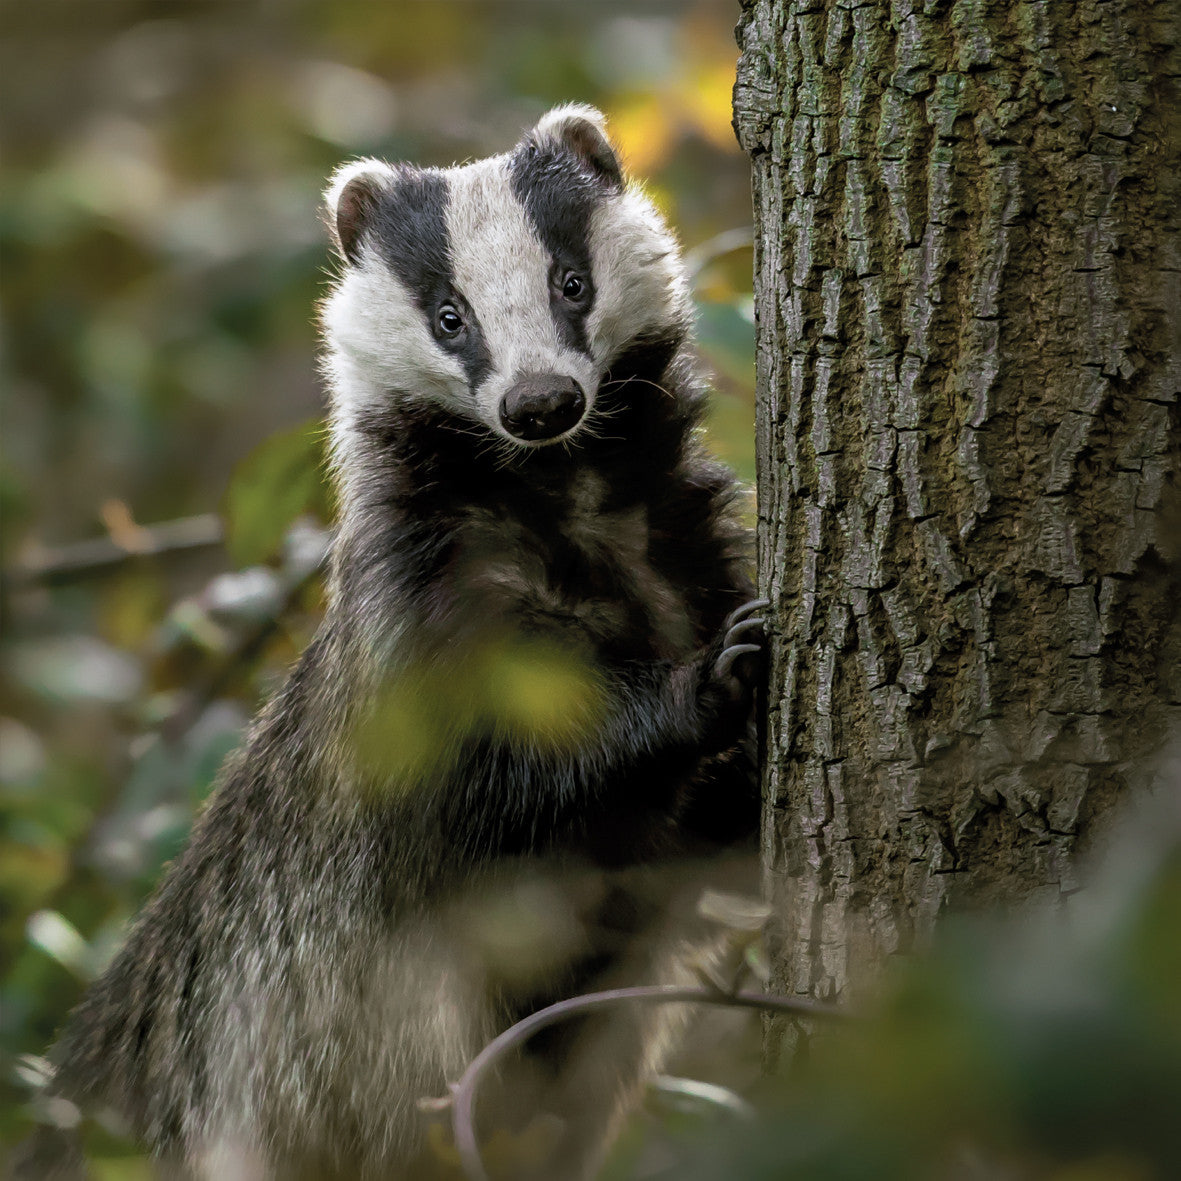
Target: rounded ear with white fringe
581,130
351,200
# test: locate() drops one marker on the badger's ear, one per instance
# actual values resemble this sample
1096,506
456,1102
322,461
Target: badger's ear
582,131
351,199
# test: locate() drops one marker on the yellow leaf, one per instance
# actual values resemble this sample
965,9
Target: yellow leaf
541,694
521,690
643,131
707,97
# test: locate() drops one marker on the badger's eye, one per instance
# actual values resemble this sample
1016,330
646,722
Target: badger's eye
448,322
573,287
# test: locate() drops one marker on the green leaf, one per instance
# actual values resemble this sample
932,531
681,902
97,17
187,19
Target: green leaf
282,478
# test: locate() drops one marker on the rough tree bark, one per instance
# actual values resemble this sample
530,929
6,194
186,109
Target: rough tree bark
967,258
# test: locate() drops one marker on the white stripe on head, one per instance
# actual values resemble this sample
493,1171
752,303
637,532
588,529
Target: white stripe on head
640,283
379,345
502,270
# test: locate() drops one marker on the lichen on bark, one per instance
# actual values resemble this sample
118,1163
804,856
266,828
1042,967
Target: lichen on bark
969,445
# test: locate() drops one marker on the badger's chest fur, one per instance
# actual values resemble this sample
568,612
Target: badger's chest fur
400,861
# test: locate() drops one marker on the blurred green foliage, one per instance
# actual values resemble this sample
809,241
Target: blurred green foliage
1044,1046
162,493
279,481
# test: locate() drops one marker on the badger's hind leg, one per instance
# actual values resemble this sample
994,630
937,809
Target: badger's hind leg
586,1077
551,1109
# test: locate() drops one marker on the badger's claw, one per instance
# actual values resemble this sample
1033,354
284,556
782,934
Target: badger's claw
742,612
737,630
739,665
724,665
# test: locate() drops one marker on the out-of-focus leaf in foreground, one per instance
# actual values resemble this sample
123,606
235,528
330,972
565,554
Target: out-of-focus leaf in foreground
531,693
282,478
1045,1047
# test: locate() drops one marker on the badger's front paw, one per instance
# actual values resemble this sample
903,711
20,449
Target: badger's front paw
735,665
729,674
738,668
726,676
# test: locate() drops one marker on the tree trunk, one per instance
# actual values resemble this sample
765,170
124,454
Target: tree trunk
966,280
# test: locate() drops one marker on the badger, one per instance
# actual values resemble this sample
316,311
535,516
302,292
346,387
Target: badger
523,729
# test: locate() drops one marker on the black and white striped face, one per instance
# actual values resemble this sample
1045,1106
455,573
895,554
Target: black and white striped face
501,290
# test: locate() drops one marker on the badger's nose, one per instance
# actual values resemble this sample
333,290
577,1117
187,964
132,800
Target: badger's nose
542,406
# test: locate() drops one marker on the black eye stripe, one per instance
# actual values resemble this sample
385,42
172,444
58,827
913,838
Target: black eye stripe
570,286
410,226
466,342
559,199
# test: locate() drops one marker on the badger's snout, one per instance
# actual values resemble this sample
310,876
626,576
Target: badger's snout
542,406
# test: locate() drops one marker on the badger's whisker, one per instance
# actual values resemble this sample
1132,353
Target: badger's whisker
616,382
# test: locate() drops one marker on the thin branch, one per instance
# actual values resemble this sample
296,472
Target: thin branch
97,555
463,1094
728,241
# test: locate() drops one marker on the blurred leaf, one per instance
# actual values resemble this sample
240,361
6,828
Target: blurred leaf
643,131
540,694
243,596
59,938
190,621
22,754
30,872
406,735
708,97
279,480
131,609
77,668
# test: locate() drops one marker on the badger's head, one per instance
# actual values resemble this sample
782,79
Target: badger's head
502,290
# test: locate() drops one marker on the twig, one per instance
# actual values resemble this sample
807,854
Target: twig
463,1094
237,659
728,241
81,559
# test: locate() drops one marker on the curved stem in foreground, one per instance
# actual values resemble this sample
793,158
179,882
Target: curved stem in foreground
464,1092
